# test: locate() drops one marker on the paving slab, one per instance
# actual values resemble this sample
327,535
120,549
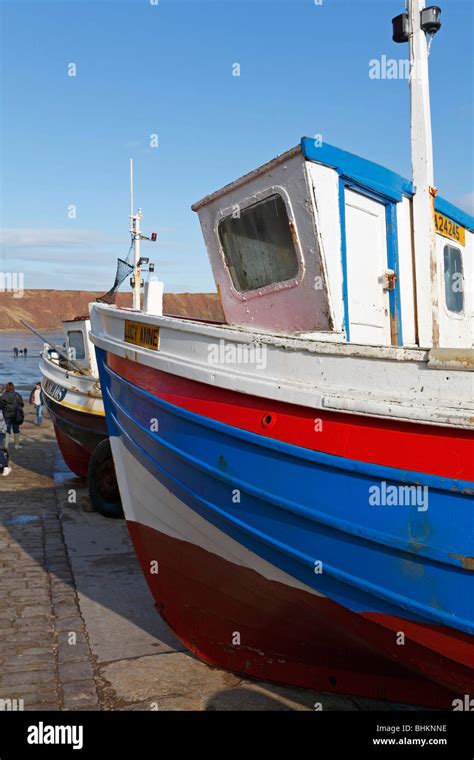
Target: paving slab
178,681
114,600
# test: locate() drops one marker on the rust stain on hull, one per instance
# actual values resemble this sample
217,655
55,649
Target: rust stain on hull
466,562
451,358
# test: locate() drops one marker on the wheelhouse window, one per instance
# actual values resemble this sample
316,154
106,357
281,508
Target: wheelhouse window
258,245
453,279
76,348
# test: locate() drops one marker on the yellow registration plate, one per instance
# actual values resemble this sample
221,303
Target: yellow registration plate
141,334
449,229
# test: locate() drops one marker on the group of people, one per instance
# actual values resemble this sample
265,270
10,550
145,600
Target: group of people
21,351
12,418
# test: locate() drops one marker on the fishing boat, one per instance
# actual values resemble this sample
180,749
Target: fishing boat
298,479
72,395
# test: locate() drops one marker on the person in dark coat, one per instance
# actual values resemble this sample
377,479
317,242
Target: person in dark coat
11,404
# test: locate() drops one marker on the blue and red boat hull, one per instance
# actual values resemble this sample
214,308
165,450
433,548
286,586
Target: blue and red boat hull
270,559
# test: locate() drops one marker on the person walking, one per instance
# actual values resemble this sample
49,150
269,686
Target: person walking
15,352
11,404
25,351
37,401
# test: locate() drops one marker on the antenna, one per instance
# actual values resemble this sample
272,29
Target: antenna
138,262
136,280
131,187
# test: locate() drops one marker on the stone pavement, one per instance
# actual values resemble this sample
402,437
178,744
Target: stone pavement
78,629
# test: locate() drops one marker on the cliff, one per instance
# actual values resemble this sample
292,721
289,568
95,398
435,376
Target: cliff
46,309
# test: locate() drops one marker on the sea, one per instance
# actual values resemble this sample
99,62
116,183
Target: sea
23,371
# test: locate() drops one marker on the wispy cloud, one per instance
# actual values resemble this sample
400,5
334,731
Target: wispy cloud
84,259
23,237
55,246
58,244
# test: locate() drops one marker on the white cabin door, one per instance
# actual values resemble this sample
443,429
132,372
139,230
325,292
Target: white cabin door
366,260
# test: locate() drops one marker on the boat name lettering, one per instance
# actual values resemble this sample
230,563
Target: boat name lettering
449,229
57,392
141,334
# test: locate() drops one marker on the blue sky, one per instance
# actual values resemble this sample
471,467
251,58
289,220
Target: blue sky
166,69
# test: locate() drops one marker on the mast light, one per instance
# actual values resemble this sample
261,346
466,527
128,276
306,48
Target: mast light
400,31
430,19
430,23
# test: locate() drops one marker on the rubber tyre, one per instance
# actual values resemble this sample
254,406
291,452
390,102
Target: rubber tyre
103,488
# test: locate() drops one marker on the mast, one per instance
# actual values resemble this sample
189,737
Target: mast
136,238
423,179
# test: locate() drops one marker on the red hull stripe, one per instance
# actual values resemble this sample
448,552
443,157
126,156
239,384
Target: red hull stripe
447,452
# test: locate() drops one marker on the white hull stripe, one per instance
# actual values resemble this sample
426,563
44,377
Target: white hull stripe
154,506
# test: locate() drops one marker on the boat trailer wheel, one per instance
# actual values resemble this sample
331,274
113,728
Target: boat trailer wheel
103,488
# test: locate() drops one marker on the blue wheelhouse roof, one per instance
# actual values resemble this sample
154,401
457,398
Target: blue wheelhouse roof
375,177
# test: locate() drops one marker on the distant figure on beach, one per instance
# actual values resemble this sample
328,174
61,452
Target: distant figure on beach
21,352
15,352
11,404
25,351
4,468
37,401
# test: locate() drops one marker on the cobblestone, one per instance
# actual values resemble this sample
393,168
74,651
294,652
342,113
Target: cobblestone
38,601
